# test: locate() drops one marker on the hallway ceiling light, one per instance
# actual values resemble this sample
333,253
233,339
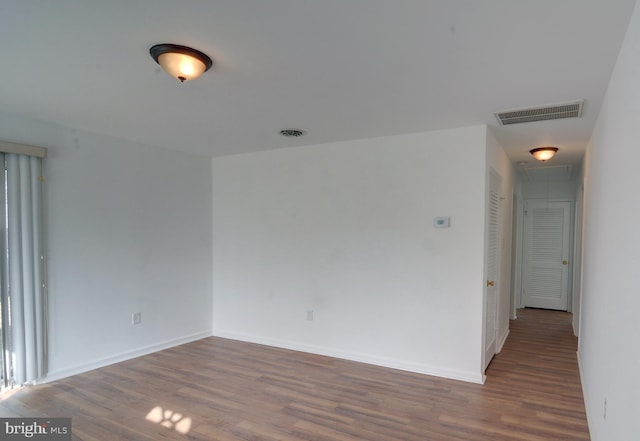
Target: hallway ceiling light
181,62
543,154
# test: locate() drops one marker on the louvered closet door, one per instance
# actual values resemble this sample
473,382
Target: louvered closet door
546,254
492,258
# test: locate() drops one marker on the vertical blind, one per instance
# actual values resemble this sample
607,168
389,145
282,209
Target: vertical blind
22,271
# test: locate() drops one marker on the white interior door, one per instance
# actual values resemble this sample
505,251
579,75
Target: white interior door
491,268
547,235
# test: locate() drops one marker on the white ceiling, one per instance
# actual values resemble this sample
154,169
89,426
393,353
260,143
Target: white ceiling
340,69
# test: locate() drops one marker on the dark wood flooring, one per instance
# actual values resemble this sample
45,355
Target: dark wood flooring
217,389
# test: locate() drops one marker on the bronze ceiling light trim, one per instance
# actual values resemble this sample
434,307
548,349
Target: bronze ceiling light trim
543,154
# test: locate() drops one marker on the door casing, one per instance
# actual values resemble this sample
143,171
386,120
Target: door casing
528,278
492,268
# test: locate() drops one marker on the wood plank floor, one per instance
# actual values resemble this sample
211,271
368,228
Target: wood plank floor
217,389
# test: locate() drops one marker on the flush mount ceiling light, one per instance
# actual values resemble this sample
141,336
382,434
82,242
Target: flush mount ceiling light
543,154
181,62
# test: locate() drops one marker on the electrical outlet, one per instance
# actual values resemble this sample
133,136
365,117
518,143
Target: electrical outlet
310,315
136,318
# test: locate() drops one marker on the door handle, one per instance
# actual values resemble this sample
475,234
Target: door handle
565,262
490,283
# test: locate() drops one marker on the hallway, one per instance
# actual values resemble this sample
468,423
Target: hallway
537,376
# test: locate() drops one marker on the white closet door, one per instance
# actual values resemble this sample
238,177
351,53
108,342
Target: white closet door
546,254
492,258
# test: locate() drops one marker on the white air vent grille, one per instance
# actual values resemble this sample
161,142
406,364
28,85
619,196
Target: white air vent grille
544,113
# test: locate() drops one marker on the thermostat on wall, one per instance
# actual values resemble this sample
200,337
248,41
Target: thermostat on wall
441,222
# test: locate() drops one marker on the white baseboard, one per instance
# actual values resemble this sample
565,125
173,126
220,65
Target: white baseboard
502,340
63,373
471,377
584,391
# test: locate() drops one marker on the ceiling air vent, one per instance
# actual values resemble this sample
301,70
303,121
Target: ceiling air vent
292,133
543,113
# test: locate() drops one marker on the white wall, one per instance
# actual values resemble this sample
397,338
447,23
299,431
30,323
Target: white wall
609,350
553,190
498,161
129,229
345,230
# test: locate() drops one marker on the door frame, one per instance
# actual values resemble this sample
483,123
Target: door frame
519,286
576,306
491,176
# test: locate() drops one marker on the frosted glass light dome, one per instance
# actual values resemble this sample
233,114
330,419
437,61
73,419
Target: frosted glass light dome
181,62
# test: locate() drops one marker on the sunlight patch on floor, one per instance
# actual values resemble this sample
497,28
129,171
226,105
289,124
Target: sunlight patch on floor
8,392
169,419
